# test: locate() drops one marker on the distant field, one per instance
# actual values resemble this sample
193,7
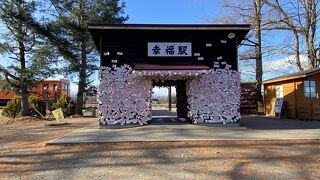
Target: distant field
91,105
164,107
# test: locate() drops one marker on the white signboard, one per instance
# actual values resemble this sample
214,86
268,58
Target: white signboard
167,49
278,105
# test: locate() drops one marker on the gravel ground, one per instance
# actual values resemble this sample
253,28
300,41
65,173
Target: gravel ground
23,154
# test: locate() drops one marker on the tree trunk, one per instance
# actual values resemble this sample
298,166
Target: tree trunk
25,109
312,55
309,30
82,80
259,70
311,50
83,65
313,28
297,49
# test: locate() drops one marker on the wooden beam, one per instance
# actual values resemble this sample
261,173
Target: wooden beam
169,67
101,50
169,96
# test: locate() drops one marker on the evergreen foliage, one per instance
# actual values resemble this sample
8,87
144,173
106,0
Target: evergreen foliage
13,108
66,104
29,57
38,104
72,24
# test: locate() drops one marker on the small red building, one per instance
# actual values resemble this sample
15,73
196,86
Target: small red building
46,90
5,96
52,89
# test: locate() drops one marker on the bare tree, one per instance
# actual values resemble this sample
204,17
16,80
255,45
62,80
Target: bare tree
250,11
300,17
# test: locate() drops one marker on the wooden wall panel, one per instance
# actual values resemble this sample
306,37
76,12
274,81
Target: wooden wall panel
316,111
304,111
288,95
315,102
270,99
289,99
297,106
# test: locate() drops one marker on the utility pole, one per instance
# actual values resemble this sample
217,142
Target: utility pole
169,96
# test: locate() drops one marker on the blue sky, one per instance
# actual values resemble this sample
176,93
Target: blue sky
194,12
170,11
166,12
198,12
175,12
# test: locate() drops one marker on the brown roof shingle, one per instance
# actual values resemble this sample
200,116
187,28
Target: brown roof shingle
296,75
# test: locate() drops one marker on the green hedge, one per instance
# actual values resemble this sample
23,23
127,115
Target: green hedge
40,105
66,104
13,108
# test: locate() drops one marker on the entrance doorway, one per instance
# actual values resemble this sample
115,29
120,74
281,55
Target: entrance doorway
170,102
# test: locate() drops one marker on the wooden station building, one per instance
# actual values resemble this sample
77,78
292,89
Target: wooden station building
168,55
300,93
134,44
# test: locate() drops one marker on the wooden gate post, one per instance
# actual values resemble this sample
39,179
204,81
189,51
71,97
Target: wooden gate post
169,96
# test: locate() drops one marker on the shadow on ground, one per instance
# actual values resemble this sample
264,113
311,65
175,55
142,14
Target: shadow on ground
268,123
164,113
169,160
23,155
165,117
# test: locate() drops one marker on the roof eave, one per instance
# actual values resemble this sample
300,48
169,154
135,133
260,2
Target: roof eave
283,79
169,27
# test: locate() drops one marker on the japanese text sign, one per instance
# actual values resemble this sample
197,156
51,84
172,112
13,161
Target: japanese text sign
278,105
58,114
165,49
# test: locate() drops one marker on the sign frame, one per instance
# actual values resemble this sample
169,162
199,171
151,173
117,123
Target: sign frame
278,107
169,49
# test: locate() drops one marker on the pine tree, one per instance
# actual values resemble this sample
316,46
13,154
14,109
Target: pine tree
27,57
72,24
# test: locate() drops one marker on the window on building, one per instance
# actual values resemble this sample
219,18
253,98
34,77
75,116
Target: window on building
51,87
45,87
55,87
310,89
279,91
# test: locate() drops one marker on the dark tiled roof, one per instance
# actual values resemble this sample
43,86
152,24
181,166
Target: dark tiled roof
299,74
170,26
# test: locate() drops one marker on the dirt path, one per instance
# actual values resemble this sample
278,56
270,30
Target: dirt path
23,154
